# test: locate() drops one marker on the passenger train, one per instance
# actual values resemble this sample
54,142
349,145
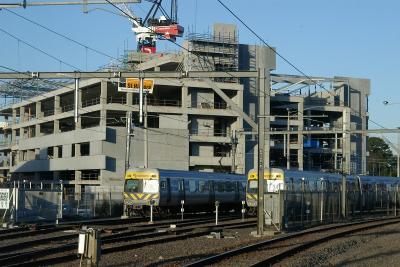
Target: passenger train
303,197
312,195
168,190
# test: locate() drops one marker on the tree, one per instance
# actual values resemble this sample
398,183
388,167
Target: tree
380,160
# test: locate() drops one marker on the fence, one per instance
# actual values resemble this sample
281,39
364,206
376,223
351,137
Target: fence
32,202
93,203
298,209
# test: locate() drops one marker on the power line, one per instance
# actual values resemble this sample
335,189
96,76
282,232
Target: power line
38,49
287,60
62,35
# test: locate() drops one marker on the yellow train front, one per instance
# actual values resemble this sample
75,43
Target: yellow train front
273,182
140,190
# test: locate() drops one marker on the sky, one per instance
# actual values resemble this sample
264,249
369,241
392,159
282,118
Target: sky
322,38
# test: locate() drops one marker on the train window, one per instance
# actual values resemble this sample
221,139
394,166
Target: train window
202,186
134,186
220,186
192,186
253,184
150,186
163,185
229,187
181,186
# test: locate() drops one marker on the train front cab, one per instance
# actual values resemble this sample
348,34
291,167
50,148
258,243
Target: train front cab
273,182
141,189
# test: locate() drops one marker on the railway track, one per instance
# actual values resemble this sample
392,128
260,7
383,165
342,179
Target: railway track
47,228
51,250
274,250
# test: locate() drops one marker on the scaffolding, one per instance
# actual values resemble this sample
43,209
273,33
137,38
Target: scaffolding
14,91
214,52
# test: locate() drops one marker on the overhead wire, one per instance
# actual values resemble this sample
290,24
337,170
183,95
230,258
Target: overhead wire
287,60
60,34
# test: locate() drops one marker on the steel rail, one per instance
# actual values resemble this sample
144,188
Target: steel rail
19,258
249,248
139,228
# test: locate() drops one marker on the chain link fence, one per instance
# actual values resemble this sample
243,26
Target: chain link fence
299,209
93,203
34,202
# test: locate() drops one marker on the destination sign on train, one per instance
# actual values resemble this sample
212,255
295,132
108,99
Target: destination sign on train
133,85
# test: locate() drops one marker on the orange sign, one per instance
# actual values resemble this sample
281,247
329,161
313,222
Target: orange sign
133,85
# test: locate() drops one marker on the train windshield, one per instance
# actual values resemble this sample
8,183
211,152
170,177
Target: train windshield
269,186
141,186
150,186
134,186
252,187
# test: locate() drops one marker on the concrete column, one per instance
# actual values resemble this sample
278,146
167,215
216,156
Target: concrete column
14,116
13,136
57,104
22,114
103,92
37,153
37,130
56,126
103,103
77,150
39,113
55,152
300,159
78,125
185,97
129,98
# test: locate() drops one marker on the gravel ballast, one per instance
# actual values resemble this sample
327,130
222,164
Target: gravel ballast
374,247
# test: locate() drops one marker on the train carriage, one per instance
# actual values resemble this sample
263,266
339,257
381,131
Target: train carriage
299,197
166,189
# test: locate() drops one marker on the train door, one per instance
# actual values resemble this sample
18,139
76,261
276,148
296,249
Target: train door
211,196
181,191
168,197
237,191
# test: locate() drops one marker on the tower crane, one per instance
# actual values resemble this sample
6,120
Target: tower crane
147,30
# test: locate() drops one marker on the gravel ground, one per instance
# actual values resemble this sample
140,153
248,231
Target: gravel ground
375,247
179,252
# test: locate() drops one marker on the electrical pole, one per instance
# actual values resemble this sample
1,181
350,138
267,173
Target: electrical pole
233,146
146,142
346,157
288,141
261,150
128,139
398,155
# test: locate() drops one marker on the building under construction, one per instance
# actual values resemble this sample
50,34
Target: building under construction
189,124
